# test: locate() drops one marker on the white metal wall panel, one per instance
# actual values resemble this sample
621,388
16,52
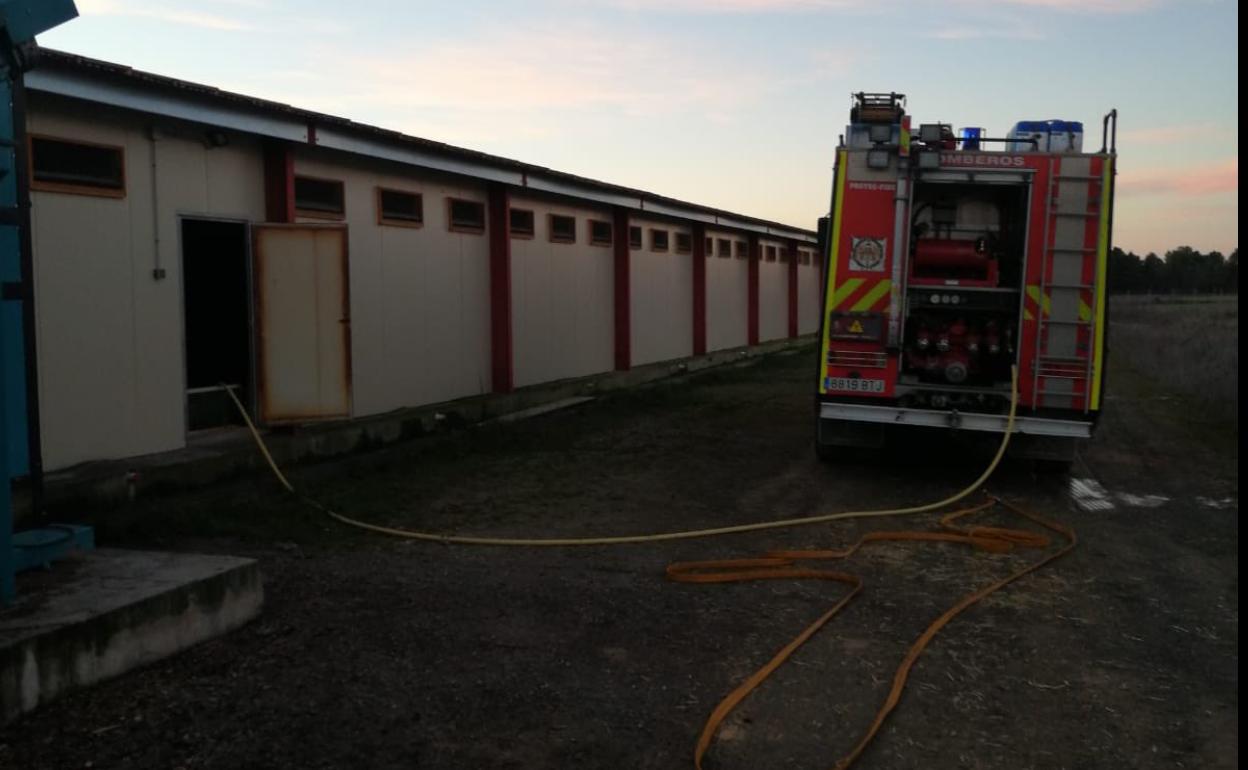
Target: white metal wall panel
110,336
661,298
727,296
419,297
562,299
773,295
420,310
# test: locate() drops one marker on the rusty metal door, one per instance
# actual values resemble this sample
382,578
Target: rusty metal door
302,321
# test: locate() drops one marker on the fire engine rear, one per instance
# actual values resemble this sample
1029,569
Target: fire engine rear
950,260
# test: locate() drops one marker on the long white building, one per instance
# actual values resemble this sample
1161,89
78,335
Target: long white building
185,238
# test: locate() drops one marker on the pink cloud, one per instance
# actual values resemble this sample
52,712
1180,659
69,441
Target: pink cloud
1090,6
738,6
1183,182
770,6
1013,32
1205,132
1142,227
165,12
535,68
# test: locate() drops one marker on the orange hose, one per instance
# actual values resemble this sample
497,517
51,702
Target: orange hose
782,565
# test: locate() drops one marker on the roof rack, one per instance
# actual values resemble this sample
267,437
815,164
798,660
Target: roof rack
877,107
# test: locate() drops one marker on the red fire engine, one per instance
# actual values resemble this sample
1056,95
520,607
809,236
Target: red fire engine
949,260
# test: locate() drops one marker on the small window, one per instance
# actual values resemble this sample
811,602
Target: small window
599,232
771,253
784,255
57,165
562,229
743,250
399,209
466,216
634,237
725,248
684,243
658,240
322,198
521,223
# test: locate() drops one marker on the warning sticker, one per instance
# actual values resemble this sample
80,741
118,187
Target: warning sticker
855,326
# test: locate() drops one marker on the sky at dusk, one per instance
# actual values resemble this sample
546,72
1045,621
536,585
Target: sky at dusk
730,103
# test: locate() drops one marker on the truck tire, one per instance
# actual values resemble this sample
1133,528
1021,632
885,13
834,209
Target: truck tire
830,454
1054,467
841,441
1050,455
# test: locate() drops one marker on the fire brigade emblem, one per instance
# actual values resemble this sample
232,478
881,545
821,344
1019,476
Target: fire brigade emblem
867,254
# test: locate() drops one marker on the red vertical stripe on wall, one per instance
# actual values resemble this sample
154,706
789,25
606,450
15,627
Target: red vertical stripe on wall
699,289
500,288
623,316
791,247
279,182
756,253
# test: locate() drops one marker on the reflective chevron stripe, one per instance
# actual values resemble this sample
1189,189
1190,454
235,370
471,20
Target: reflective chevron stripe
872,297
845,291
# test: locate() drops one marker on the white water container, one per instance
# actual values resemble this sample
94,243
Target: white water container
1050,136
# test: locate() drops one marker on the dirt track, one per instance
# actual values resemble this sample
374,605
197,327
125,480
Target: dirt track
376,653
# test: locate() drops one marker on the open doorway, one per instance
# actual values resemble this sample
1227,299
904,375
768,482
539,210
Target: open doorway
215,291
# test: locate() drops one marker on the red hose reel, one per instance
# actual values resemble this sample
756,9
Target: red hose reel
940,261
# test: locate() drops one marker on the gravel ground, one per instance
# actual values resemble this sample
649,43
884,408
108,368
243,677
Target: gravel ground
389,654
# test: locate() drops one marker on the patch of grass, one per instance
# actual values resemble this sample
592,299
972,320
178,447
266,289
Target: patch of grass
1188,347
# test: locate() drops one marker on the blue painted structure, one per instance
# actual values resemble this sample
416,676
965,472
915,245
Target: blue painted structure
20,21
13,366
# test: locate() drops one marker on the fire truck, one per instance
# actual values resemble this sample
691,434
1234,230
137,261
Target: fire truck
953,260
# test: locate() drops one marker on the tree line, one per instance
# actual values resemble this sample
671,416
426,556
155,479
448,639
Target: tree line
1182,271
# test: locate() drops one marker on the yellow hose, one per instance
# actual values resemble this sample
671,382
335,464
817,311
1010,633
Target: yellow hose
688,534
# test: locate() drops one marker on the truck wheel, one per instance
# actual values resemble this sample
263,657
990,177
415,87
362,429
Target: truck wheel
1054,467
1050,455
839,441
828,453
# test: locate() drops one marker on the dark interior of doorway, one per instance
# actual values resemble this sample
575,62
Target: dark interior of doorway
218,337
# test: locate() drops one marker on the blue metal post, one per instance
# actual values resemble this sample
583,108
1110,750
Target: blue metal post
9,254
20,21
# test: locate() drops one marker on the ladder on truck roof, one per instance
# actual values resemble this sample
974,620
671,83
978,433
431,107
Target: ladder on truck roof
1064,299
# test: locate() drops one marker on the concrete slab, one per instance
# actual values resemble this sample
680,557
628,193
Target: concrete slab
103,613
534,411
